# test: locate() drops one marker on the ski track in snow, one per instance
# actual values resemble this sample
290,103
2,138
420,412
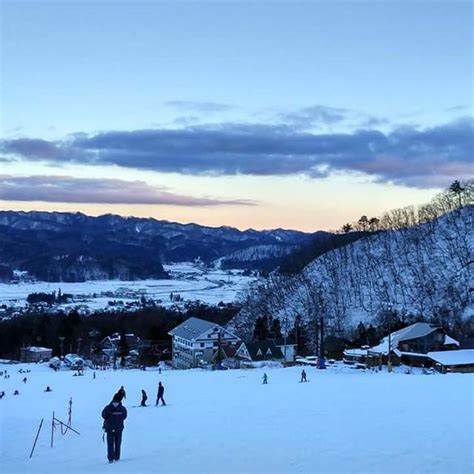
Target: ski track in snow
344,421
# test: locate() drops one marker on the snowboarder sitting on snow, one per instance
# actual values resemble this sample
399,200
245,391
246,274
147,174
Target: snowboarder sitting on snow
265,379
161,392
121,394
303,376
114,415
48,389
144,399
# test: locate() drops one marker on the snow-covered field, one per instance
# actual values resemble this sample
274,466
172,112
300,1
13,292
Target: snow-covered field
342,421
192,282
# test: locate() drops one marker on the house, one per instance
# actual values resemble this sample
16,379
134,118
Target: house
35,354
259,351
196,342
113,341
110,345
411,345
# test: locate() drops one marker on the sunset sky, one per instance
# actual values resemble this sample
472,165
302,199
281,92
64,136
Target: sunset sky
299,115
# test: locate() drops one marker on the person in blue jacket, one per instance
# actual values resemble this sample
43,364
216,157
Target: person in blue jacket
114,415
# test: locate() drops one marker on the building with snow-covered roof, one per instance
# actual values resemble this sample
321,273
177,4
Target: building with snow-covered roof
409,345
418,338
35,354
258,351
197,341
461,360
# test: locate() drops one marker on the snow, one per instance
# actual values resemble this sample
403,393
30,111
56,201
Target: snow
192,282
342,421
457,357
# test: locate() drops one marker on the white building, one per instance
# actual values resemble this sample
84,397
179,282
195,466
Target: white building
196,342
35,354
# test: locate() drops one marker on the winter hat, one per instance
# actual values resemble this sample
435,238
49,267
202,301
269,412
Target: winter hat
116,398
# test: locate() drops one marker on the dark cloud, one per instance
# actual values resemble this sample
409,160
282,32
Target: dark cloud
458,108
407,155
316,116
103,191
200,107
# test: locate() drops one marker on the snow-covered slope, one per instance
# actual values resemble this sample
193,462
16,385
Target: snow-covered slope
342,421
425,270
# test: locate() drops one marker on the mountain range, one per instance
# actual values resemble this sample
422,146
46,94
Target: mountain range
60,246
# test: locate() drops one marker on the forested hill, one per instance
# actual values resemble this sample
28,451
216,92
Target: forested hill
74,247
419,271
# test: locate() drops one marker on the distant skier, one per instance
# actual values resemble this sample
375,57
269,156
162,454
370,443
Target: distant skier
159,396
2,394
159,370
93,375
265,379
24,380
121,394
144,399
16,392
303,376
48,389
114,415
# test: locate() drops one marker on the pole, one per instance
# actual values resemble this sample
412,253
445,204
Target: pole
52,430
321,364
36,439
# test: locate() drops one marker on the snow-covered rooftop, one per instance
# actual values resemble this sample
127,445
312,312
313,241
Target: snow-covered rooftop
456,357
37,349
410,332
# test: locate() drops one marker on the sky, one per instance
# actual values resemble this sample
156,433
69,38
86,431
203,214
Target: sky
300,115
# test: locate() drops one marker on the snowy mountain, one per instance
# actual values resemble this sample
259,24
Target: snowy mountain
75,247
419,271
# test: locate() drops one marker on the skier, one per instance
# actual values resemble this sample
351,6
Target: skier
48,389
2,394
114,415
93,375
16,392
144,399
161,391
265,379
24,380
121,394
303,376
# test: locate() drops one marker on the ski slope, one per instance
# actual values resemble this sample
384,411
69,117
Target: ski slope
342,421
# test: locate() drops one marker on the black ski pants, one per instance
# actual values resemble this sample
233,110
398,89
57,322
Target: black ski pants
114,440
160,397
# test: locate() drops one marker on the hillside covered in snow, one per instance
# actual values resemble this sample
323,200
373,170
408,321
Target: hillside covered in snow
419,271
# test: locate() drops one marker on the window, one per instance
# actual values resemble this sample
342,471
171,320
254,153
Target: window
202,344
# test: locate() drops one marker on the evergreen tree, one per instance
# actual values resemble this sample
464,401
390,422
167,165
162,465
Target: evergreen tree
457,190
275,329
123,348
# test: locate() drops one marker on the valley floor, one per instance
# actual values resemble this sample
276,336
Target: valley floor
342,421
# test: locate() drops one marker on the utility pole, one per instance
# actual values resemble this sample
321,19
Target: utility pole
389,361
61,341
321,361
